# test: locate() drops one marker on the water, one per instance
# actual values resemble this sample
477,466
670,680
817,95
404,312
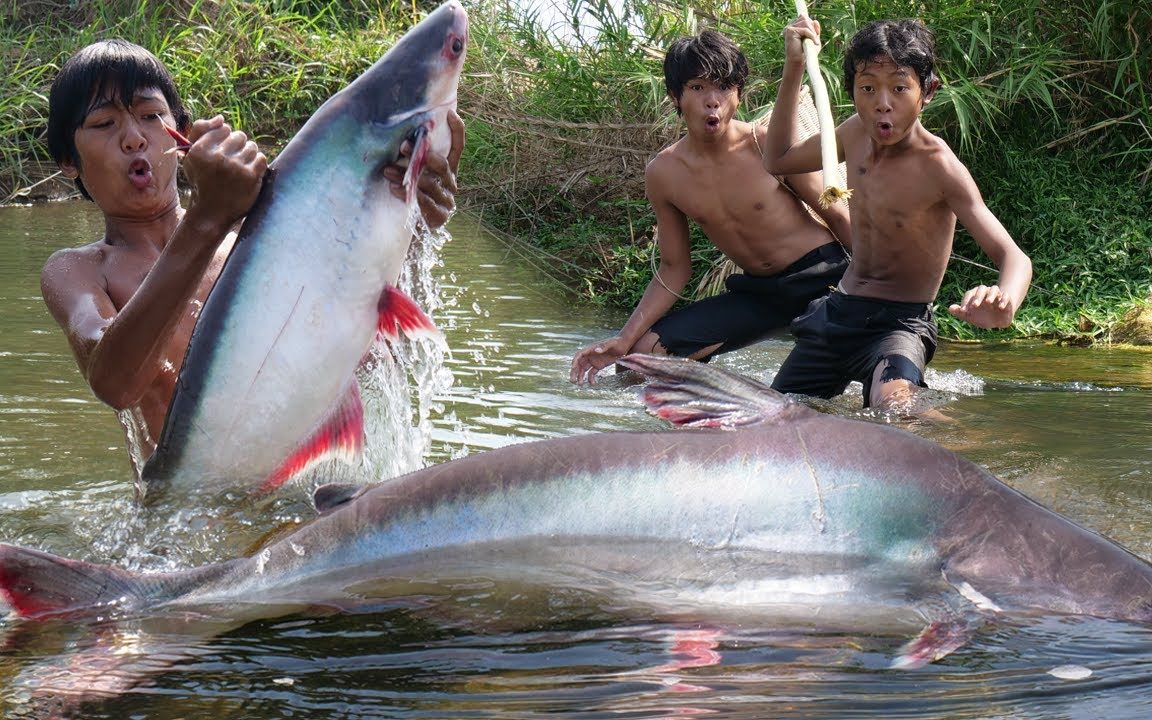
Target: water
1072,428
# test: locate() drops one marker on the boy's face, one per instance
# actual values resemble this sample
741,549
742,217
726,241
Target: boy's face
888,98
120,155
707,107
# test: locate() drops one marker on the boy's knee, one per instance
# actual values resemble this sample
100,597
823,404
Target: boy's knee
649,344
895,382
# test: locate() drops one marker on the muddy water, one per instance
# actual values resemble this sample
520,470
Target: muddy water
1070,427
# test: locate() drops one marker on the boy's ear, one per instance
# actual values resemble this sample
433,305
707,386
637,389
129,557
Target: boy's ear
69,169
930,91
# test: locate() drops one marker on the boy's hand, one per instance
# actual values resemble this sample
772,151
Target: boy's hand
595,358
985,307
436,186
802,28
225,168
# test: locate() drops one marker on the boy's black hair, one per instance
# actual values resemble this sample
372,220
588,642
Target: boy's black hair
109,67
709,55
908,42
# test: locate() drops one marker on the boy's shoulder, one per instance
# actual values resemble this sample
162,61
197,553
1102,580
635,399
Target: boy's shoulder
667,161
72,262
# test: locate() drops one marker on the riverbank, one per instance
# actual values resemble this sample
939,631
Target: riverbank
562,121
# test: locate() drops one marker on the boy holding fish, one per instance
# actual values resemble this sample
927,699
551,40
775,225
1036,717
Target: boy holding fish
129,301
908,190
714,176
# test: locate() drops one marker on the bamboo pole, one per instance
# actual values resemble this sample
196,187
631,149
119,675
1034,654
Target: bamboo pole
828,157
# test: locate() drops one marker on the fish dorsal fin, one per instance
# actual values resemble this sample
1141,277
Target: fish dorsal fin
341,435
333,495
692,394
399,313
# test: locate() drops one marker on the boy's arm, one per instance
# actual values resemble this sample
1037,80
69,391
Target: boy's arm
808,187
672,276
781,155
120,353
984,306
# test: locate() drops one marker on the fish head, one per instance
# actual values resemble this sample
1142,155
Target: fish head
408,93
405,95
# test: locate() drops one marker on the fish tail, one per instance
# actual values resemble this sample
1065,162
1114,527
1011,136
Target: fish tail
39,584
692,394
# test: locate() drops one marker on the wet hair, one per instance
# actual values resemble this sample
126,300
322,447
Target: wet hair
909,43
709,55
106,68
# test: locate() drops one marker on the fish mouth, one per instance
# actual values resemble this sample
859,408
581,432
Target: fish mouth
140,173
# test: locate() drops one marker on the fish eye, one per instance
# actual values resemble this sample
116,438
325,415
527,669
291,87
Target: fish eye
457,45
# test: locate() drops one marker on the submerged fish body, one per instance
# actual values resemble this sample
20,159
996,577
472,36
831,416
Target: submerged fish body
852,509
268,384
797,517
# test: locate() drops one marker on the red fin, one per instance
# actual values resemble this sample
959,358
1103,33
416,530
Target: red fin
691,394
938,639
37,584
340,435
400,314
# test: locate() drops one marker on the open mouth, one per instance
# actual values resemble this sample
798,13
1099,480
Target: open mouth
884,127
140,172
712,121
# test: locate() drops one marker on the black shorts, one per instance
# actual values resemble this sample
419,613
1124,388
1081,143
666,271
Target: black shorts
754,306
844,337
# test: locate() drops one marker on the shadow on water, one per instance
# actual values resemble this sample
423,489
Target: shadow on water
1072,428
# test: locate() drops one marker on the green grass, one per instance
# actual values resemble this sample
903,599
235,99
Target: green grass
1048,103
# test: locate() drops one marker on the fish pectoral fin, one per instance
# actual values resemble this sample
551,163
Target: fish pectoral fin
38,584
399,313
693,394
333,495
939,639
340,435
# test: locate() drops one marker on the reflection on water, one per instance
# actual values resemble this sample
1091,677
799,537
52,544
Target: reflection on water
1070,427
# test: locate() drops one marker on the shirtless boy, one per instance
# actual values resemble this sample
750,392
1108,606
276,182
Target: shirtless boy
714,175
908,191
128,302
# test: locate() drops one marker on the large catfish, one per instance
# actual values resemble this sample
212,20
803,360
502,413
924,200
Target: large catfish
824,519
268,385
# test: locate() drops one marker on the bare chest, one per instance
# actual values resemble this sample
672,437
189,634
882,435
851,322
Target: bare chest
896,195
743,194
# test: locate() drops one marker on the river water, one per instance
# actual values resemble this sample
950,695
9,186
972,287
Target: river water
1070,427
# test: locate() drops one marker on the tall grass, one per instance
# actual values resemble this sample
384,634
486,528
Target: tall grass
1048,103
1037,96
265,66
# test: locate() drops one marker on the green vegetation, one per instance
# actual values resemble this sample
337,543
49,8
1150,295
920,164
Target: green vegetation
1049,104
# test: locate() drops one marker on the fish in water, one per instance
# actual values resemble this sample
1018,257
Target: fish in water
268,385
788,513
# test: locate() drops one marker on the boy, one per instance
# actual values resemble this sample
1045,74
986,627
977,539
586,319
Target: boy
714,175
908,191
128,302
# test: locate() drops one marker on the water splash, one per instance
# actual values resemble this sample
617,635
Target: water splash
960,382
398,425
